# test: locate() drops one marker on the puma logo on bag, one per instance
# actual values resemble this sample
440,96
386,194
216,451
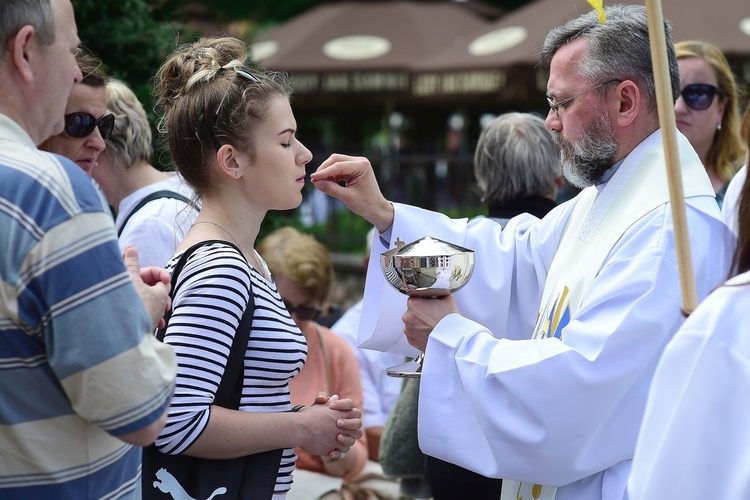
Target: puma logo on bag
167,483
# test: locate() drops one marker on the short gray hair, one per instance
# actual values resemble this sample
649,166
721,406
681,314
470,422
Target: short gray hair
516,156
15,14
618,49
131,138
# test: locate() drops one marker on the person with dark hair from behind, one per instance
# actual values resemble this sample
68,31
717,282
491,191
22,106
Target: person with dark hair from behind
83,378
693,439
517,166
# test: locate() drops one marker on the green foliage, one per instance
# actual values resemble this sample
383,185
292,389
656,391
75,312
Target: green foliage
459,213
277,219
127,38
131,43
344,232
258,11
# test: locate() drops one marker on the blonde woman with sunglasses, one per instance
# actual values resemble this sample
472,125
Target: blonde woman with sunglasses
707,111
87,123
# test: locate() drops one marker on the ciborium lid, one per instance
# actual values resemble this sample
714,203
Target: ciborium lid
430,247
427,267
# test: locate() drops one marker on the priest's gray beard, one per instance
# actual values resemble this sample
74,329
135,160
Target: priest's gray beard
585,161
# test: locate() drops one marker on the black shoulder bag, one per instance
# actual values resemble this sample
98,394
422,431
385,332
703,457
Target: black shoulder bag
251,477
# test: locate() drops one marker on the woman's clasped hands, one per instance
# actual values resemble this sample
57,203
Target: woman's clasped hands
333,425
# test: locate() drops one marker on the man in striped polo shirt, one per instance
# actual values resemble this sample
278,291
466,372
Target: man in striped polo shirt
82,380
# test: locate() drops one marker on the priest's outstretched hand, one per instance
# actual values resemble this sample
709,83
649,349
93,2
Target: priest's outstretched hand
352,180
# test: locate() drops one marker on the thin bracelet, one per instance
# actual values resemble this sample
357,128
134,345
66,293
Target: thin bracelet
297,408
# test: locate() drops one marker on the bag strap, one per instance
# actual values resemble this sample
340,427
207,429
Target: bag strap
229,393
326,359
260,469
165,193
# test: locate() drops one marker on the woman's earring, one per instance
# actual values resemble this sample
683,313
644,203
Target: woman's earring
718,127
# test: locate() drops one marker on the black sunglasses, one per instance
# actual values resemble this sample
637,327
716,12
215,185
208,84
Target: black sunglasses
304,312
80,124
699,96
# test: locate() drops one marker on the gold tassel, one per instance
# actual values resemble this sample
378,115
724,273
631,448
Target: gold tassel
536,491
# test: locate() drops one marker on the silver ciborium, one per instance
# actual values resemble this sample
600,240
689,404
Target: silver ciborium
427,268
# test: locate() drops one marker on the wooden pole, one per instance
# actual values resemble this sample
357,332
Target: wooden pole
668,126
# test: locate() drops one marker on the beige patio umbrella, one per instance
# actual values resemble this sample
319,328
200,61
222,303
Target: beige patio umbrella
366,36
516,38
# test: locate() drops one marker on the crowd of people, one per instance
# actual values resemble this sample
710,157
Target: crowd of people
154,345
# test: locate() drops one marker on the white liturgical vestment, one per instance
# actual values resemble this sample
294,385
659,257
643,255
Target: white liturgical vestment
694,438
563,410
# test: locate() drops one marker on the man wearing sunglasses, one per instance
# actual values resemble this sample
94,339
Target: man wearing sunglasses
83,378
537,371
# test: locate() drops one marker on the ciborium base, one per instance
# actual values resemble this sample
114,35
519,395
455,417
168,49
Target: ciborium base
410,369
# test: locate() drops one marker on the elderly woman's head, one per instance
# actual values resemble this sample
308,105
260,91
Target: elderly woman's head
302,269
516,156
87,123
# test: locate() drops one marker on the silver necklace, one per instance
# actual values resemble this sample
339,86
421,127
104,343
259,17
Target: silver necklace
255,261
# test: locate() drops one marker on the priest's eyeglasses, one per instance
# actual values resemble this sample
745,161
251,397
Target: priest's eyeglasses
555,106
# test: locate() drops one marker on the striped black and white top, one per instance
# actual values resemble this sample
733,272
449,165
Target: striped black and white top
211,294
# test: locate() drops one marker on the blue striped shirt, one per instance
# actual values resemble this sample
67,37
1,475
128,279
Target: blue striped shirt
77,365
